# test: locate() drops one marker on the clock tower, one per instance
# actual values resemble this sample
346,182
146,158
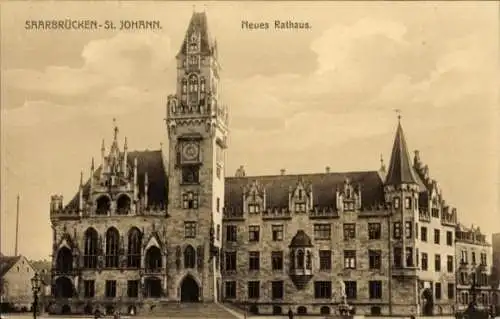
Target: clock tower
197,131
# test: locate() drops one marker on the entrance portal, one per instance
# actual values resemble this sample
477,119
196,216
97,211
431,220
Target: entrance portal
428,302
190,291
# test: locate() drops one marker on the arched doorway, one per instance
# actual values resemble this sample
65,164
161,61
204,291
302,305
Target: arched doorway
64,288
153,287
66,309
88,309
325,310
428,303
190,291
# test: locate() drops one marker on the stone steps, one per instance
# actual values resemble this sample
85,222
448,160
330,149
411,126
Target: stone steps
191,310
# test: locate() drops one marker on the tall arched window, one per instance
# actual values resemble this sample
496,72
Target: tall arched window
202,85
123,205
90,248
112,244
189,257
193,83
103,205
153,258
300,259
184,86
134,248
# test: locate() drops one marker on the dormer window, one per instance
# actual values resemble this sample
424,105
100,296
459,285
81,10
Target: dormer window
190,200
254,196
300,208
349,207
253,208
396,202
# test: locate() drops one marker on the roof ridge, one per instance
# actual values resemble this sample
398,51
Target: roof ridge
305,174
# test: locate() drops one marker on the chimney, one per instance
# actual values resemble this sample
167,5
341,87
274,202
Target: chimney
282,171
327,169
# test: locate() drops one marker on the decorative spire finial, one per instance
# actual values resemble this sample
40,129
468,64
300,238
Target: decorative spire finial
81,177
398,111
116,128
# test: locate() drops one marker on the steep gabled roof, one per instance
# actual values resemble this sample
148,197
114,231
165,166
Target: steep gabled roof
400,168
199,23
323,185
150,162
301,239
7,262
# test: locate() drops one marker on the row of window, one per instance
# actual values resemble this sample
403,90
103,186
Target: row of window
324,232
322,289
349,259
152,288
464,258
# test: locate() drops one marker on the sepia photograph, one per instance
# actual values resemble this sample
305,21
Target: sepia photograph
249,159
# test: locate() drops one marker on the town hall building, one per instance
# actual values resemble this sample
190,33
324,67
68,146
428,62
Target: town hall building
149,228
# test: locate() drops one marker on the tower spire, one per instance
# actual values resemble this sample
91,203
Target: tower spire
400,167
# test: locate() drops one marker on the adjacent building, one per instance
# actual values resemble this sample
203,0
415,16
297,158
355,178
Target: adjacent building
495,271
15,283
151,227
474,266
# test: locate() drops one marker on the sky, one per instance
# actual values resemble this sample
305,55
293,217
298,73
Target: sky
298,99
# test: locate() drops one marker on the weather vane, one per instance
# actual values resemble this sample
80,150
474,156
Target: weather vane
398,111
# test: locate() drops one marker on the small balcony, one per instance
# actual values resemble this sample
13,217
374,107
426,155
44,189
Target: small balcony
404,272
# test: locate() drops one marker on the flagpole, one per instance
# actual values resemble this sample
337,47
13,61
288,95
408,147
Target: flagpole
17,228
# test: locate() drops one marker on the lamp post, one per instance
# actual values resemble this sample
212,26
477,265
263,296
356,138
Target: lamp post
35,287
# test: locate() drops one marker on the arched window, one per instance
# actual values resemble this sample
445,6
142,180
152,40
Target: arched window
300,259
302,310
193,84
153,258
103,205
184,86
90,248
123,205
134,248
189,257
112,244
202,85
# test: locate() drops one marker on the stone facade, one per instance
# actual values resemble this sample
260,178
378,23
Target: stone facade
149,228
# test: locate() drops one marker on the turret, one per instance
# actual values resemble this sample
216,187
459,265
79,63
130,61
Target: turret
103,158
401,192
135,180
56,204
146,189
80,194
124,159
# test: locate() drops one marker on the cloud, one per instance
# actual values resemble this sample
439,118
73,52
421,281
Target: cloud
115,61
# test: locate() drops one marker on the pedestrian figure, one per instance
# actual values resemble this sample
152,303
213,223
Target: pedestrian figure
97,314
290,313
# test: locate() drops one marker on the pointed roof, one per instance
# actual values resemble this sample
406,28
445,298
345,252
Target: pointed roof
198,23
400,168
7,262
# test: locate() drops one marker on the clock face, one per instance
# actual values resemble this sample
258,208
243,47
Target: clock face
190,151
